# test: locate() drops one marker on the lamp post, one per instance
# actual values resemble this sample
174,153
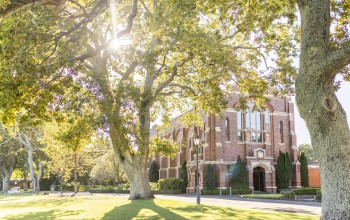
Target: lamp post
196,142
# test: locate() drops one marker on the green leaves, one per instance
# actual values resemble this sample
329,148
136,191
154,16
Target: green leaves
163,147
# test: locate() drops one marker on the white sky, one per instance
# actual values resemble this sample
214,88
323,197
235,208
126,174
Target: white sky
303,136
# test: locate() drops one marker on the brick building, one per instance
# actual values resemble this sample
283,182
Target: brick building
256,135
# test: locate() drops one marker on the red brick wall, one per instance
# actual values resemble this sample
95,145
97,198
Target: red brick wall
314,177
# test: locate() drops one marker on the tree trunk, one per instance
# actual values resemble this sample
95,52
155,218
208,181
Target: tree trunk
76,187
138,178
31,170
25,177
321,110
5,183
41,169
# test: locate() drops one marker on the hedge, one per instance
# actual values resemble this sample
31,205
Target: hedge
225,191
172,191
301,191
70,188
172,184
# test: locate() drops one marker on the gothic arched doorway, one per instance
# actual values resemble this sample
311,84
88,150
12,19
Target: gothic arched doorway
259,179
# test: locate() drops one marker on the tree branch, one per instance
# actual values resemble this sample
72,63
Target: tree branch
129,21
15,5
144,6
338,59
162,85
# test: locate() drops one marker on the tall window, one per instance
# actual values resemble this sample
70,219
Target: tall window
204,128
240,130
227,129
256,126
281,131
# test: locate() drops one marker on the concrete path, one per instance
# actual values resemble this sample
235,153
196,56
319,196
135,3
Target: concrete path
309,208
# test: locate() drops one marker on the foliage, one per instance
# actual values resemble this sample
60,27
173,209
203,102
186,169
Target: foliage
153,172
304,171
308,150
154,186
183,174
210,177
163,147
319,195
172,184
239,179
302,191
107,170
283,170
237,191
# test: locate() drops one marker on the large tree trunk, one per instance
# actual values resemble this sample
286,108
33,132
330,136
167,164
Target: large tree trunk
138,178
320,108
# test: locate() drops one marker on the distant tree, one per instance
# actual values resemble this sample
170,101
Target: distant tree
153,172
309,151
284,170
210,177
240,175
107,170
8,156
184,172
304,172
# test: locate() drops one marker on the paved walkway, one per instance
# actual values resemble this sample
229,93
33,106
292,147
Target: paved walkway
309,208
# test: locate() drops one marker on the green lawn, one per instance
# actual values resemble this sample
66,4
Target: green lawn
263,196
26,206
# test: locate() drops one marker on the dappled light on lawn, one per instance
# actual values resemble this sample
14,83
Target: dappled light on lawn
119,207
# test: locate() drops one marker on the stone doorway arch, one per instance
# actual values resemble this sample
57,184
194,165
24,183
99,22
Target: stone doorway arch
259,180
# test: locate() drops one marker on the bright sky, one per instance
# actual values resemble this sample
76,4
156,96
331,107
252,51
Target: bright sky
303,136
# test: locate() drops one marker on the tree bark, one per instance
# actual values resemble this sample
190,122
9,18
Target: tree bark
25,178
76,187
5,183
138,178
321,110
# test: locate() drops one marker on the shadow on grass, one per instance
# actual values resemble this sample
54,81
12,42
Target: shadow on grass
44,202
52,214
143,209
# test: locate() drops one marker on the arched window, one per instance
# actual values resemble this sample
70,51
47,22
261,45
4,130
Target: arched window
227,129
255,127
281,131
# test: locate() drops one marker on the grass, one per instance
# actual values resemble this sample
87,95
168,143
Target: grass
26,206
263,196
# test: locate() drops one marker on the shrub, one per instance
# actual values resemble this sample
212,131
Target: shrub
302,191
172,191
172,184
103,189
225,191
240,175
184,172
154,186
284,171
153,172
241,191
304,172
210,177
70,188
319,195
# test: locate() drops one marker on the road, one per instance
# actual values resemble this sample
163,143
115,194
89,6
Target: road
309,208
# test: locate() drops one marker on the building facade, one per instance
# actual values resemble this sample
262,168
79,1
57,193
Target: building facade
255,135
